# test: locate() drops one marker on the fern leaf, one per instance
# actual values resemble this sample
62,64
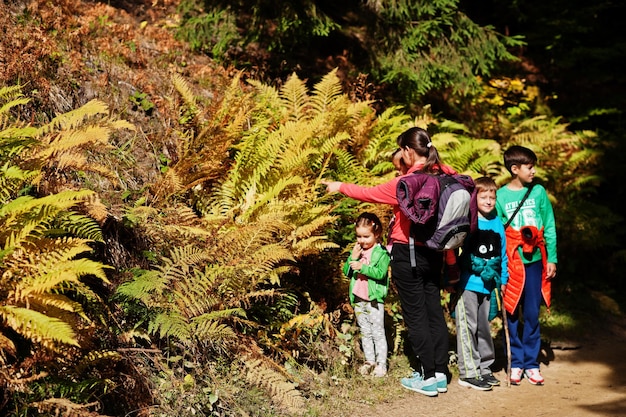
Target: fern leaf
144,285
283,392
326,91
38,327
75,118
171,324
295,98
64,271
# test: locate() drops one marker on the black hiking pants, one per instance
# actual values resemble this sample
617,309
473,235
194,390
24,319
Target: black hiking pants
421,306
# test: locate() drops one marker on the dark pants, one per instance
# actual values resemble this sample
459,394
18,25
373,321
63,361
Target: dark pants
421,306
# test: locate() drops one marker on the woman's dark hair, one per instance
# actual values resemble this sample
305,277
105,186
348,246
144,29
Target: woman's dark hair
518,155
418,139
370,220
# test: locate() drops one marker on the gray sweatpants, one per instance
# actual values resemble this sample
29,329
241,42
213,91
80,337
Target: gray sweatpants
371,321
474,343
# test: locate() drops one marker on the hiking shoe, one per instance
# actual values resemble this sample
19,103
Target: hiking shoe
366,368
516,376
534,376
475,383
416,383
490,379
380,371
442,382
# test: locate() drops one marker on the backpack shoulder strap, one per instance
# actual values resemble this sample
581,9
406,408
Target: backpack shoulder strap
519,206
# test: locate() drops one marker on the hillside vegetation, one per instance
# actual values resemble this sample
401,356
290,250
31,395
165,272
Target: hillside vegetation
167,248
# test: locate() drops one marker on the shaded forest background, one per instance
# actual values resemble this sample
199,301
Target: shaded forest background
163,226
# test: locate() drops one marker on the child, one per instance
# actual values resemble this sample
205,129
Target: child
531,251
398,162
483,268
368,270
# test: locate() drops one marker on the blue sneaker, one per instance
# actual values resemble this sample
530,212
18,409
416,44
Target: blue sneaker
442,382
416,383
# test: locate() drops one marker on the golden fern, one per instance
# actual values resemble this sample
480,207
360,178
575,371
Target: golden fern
566,157
71,140
295,98
38,327
205,136
260,372
45,241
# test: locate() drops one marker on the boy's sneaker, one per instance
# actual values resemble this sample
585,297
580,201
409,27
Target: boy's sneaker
380,371
416,383
534,376
442,382
490,379
516,376
366,368
475,383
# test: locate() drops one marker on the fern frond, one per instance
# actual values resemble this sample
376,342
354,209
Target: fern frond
183,88
38,327
326,91
57,301
75,118
312,245
11,96
188,256
316,224
282,391
270,194
60,272
295,98
171,324
95,209
209,329
144,285
80,225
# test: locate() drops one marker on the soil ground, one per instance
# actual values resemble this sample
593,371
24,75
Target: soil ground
583,378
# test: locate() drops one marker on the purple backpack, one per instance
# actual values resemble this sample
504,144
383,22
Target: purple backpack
442,208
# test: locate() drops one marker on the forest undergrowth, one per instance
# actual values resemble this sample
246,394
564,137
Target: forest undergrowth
167,247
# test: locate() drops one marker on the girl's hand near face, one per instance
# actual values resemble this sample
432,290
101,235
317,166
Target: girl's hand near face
356,251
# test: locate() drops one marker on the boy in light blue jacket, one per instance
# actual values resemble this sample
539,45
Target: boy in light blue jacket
483,269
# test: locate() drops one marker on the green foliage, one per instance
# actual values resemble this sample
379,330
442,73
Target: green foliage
141,101
424,46
214,32
414,47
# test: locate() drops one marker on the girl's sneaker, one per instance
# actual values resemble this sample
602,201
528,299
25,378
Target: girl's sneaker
366,368
534,376
379,371
516,376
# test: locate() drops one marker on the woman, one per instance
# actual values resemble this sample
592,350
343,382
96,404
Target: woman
418,288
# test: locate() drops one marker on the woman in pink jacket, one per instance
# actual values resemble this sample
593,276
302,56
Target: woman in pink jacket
418,288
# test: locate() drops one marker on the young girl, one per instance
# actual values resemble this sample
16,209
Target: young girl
368,270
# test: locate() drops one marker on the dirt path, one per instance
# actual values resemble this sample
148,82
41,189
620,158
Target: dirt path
585,378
